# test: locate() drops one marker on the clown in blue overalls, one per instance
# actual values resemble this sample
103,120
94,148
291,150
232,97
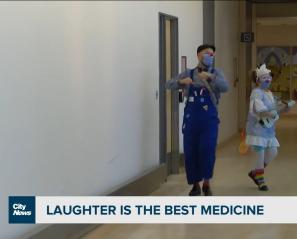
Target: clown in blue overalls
202,86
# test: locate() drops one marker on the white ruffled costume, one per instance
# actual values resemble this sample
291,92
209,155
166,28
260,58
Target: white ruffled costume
260,101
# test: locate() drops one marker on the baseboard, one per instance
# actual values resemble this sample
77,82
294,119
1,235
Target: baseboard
141,186
145,184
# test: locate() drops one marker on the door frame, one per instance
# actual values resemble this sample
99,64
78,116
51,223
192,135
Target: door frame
171,160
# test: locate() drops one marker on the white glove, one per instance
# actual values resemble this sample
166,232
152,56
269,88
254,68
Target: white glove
274,113
291,103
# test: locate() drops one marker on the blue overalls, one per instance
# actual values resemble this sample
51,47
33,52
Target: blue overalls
200,132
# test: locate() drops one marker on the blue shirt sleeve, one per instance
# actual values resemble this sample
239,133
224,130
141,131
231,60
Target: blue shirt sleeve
219,83
173,83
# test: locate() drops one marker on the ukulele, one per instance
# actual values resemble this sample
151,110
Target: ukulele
268,122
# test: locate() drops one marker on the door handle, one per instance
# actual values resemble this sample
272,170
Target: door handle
180,96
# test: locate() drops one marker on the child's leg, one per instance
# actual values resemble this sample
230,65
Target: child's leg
257,175
259,153
270,154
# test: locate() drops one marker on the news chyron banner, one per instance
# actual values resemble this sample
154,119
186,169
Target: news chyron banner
134,209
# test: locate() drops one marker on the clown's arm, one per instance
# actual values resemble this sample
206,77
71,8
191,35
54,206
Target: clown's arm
218,81
283,107
174,83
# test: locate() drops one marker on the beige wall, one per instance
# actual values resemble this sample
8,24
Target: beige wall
283,35
276,10
227,43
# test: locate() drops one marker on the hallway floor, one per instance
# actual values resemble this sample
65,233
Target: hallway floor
230,180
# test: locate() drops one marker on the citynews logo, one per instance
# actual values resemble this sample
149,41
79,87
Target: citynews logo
21,209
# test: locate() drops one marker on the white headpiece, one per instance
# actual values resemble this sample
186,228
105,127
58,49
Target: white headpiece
262,71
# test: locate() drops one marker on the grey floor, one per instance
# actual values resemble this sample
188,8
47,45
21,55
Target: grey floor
230,180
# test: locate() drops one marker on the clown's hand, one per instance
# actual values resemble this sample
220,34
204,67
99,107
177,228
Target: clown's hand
288,106
273,114
291,103
205,75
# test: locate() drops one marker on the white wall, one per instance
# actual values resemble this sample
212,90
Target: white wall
227,43
77,96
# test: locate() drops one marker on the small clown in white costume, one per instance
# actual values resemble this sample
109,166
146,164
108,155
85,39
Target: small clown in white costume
260,128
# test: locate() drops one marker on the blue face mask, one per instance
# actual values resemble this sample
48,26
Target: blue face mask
208,60
265,82
265,85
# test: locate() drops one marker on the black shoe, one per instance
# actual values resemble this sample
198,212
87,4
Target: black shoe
196,191
253,178
207,191
263,187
